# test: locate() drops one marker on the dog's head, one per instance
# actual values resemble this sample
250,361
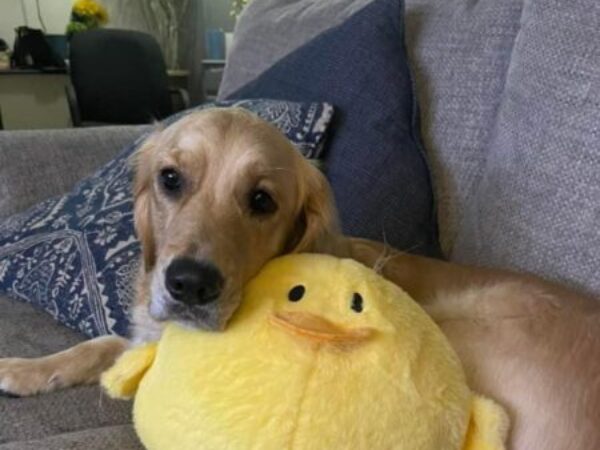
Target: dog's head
217,195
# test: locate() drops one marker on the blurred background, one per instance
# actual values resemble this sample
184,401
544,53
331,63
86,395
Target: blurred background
193,35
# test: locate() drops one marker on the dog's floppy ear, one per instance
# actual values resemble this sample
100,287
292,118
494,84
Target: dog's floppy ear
142,198
316,227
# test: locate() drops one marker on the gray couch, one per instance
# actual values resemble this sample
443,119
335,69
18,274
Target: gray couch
36,165
510,95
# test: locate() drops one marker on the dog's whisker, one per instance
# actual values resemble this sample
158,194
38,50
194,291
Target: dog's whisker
382,261
388,253
384,257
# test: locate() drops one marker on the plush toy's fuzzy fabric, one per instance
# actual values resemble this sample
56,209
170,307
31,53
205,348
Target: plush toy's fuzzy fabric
323,353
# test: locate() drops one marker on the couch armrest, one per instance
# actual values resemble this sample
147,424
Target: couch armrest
39,164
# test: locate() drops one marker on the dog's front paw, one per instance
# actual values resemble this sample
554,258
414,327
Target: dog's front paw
25,377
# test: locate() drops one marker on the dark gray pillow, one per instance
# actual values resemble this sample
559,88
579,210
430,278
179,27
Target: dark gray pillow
374,158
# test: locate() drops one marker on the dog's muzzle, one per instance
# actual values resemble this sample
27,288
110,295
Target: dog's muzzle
189,291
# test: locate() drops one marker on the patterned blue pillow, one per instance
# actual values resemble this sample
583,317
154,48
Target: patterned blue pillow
76,256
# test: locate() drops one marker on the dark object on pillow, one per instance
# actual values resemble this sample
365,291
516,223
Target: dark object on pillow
76,255
374,160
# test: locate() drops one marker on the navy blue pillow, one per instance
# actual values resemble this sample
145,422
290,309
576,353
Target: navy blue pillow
76,255
374,159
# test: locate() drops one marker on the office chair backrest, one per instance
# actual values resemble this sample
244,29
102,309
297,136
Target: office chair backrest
119,76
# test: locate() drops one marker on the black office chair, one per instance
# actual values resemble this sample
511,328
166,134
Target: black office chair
119,77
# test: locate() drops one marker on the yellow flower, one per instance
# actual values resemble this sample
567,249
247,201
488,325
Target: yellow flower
102,15
91,8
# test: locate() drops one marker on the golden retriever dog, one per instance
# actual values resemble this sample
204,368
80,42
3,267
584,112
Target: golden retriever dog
220,193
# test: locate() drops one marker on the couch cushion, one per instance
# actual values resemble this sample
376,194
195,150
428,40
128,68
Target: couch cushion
35,165
76,255
374,160
71,410
461,51
27,332
120,437
537,207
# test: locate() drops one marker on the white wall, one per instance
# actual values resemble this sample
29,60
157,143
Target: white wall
126,14
55,14
216,14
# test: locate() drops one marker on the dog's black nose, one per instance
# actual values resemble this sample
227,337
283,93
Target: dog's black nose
193,282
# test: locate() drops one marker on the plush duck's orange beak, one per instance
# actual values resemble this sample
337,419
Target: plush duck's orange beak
318,329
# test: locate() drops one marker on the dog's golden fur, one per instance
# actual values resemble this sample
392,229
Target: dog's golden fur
532,345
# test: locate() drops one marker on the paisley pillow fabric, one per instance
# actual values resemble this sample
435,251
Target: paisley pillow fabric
76,255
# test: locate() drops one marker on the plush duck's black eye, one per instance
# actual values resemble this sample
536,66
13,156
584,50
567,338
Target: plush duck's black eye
261,203
296,293
171,180
357,302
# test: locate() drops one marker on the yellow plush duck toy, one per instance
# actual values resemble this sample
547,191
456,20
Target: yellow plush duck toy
323,353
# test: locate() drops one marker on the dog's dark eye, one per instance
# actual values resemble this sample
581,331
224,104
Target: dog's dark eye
296,293
357,302
171,180
261,203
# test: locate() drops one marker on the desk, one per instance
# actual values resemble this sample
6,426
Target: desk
33,99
